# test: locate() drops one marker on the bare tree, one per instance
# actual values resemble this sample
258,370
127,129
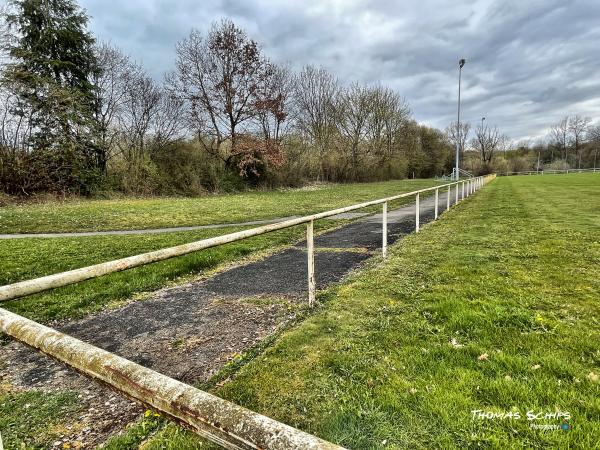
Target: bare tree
578,127
390,114
353,111
487,141
220,78
594,137
113,83
272,103
459,135
139,109
560,135
314,96
167,125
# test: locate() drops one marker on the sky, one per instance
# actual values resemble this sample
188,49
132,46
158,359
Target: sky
529,62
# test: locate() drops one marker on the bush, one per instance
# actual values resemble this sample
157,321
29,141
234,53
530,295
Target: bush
559,164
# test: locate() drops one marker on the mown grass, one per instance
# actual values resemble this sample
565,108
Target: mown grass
493,308
127,214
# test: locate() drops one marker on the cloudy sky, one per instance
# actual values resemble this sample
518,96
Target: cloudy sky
529,62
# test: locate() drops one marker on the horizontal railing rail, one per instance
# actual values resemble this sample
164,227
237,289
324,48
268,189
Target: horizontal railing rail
550,171
218,420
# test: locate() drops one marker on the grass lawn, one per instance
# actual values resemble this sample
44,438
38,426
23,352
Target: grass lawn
94,215
495,308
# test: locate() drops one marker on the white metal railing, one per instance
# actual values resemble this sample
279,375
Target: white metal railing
452,175
550,171
222,422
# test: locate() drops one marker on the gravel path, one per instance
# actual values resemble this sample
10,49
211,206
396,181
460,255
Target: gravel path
190,331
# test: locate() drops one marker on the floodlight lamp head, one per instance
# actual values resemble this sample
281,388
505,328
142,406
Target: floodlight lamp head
461,63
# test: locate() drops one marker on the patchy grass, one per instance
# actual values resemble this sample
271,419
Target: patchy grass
32,419
94,215
493,308
23,259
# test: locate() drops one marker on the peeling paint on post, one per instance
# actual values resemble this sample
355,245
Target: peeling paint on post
213,418
310,250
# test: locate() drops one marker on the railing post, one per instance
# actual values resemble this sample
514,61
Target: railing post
448,198
437,195
384,231
417,213
456,199
463,190
310,250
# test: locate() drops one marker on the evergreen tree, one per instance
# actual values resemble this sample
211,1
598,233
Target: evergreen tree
52,65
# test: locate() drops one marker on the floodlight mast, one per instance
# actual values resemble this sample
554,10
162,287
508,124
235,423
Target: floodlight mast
461,63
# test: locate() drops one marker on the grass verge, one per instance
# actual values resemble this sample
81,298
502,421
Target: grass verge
24,259
492,309
31,419
128,214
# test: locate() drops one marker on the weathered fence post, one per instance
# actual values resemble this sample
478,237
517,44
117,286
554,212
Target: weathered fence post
310,249
384,231
437,195
463,190
417,213
456,199
448,198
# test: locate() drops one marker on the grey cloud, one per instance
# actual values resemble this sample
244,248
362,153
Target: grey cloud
529,63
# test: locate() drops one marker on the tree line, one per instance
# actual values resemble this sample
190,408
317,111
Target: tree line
80,116
572,143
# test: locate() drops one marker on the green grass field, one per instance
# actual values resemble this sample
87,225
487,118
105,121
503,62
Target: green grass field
96,215
494,308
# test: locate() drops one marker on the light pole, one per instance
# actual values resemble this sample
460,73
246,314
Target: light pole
482,119
461,63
